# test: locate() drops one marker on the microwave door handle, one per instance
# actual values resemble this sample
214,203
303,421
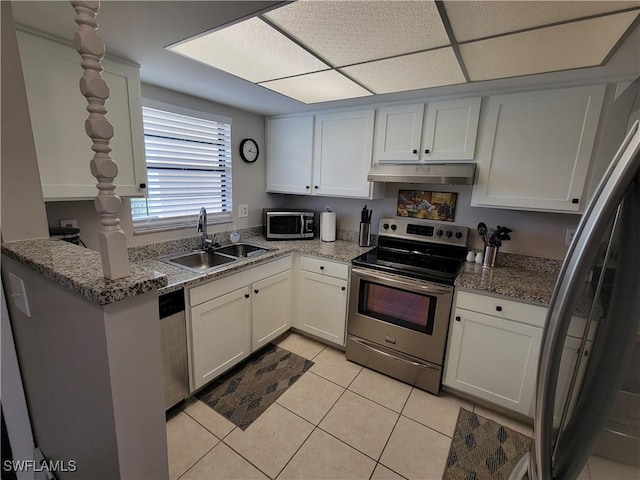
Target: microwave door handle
301,225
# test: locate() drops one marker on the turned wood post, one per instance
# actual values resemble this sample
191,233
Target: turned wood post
113,241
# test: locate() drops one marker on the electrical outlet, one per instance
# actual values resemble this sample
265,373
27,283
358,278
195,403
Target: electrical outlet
69,222
243,211
327,208
568,236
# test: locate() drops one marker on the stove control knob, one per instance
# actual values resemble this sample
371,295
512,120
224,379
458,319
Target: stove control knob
458,235
394,227
385,226
449,233
439,232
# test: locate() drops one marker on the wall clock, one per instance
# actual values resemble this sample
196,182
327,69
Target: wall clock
249,150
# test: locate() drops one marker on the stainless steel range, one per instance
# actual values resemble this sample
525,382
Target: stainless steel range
400,300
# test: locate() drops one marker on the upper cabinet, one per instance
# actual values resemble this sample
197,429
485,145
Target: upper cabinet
535,148
328,155
446,132
58,112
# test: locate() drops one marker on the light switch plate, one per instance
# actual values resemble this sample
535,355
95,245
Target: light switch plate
19,295
243,211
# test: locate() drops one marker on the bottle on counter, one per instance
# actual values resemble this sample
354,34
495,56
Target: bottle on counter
479,257
235,236
471,255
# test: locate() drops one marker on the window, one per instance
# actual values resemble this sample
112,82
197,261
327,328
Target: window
188,167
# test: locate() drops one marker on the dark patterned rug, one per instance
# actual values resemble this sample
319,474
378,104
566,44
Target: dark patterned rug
483,449
246,391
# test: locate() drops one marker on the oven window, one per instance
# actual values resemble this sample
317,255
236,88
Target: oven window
400,307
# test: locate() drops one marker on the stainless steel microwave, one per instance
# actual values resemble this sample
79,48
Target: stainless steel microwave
288,224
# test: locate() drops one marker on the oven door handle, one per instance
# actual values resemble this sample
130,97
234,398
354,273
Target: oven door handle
413,363
415,286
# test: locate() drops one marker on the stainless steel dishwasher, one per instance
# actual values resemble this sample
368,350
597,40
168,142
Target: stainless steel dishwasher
173,335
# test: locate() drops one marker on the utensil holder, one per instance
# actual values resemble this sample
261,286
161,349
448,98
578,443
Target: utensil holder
364,237
490,255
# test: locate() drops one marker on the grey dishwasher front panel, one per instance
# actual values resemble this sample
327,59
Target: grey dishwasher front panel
173,335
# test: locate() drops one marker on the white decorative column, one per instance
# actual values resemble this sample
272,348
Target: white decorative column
113,241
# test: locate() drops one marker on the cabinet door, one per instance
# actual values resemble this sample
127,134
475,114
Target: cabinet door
450,130
343,145
535,148
220,335
289,154
322,306
398,131
58,113
271,308
493,359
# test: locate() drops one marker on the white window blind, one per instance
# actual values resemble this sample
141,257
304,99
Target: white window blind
188,167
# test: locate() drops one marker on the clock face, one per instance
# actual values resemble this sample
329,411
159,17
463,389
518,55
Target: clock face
249,150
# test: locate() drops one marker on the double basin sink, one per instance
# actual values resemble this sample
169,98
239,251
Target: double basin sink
205,260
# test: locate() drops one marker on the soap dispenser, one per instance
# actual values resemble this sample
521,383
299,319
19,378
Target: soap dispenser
235,236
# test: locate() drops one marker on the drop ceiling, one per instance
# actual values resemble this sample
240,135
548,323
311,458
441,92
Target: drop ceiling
277,57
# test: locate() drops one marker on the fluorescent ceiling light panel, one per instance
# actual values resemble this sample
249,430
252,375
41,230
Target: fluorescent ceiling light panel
572,45
317,87
251,50
409,72
348,32
473,20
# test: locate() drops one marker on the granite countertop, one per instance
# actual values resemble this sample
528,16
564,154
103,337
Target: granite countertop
340,250
517,283
80,270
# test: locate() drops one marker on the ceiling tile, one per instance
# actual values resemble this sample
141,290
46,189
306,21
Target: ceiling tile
572,45
409,72
474,20
317,87
348,32
251,50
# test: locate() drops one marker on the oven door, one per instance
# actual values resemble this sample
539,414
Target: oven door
403,314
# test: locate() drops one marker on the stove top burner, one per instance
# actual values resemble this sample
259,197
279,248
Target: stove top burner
414,249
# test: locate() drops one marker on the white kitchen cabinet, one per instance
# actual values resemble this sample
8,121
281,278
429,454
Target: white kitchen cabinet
447,132
493,349
271,308
322,291
232,317
58,112
535,148
220,335
327,155
289,154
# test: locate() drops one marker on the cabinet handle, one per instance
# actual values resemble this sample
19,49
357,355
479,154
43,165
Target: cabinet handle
246,295
307,187
458,318
575,200
499,308
316,187
415,152
426,150
343,288
143,185
256,291
321,267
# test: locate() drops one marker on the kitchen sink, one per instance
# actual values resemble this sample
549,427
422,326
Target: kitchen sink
200,261
241,250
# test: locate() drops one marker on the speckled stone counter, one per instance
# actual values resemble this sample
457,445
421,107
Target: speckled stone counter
80,270
340,250
515,282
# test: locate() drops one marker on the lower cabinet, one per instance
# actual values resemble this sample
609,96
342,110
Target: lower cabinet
230,318
493,358
322,299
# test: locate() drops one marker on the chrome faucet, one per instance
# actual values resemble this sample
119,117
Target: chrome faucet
202,227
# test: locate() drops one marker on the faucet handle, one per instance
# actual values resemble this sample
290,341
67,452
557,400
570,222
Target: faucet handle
208,244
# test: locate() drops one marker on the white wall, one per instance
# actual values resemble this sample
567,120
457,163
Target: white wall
23,215
534,233
248,179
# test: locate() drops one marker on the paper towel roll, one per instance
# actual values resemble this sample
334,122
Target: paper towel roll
328,226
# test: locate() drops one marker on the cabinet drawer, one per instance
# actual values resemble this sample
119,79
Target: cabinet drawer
499,307
325,267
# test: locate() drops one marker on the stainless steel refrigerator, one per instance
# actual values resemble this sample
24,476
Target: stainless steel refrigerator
598,288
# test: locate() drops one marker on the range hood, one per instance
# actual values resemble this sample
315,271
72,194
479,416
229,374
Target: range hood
433,173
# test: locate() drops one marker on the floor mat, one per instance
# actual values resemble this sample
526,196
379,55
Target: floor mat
483,449
243,393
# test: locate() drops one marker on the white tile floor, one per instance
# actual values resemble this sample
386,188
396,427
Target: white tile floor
339,421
